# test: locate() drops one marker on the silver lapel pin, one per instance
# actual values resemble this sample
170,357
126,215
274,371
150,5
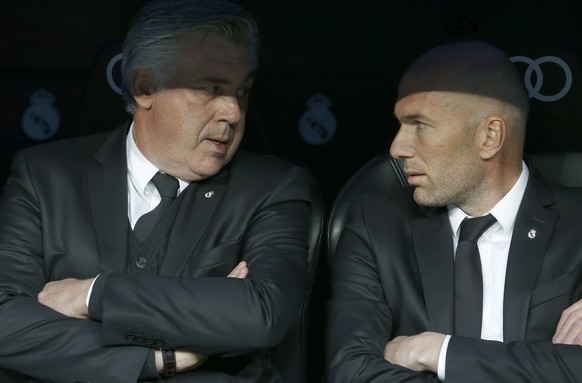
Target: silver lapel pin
532,234
209,194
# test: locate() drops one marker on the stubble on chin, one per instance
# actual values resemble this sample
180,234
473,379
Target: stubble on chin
427,198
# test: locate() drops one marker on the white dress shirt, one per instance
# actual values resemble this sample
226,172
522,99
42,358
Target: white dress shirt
494,252
142,195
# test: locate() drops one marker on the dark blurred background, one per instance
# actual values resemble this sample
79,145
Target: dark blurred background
327,77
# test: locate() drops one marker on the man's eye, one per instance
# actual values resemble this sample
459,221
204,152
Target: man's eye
211,89
422,125
242,92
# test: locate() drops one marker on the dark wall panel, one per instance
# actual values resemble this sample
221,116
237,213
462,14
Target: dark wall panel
327,77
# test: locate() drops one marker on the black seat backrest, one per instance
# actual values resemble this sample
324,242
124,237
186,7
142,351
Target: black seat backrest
291,355
564,168
380,174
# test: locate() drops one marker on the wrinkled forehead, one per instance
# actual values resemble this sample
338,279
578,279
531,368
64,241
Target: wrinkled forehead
208,48
432,106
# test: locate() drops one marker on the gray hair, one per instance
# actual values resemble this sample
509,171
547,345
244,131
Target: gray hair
153,39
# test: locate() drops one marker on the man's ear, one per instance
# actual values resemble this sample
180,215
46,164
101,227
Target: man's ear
143,87
492,136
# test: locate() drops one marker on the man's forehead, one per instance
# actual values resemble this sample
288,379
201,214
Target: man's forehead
211,47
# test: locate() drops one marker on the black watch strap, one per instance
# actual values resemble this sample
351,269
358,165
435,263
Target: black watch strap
169,359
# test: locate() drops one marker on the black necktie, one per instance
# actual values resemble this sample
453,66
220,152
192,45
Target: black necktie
168,188
468,277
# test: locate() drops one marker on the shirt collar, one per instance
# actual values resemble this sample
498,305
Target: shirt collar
140,169
505,211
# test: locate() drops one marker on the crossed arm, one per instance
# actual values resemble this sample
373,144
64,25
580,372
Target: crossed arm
421,352
69,297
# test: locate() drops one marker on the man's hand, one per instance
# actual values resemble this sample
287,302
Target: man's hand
240,271
418,352
569,330
67,296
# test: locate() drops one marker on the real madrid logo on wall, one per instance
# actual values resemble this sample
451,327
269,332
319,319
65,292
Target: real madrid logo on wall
318,124
111,65
41,119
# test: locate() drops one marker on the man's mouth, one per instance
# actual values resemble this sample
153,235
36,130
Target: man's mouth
414,177
218,144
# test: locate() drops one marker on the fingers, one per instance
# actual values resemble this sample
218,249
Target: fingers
391,350
240,271
67,296
188,360
569,329
417,352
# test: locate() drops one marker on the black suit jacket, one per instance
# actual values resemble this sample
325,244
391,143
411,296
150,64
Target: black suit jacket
63,213
393,275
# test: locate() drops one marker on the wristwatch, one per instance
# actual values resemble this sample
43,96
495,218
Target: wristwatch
169,359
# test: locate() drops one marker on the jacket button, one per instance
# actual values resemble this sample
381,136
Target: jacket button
141,262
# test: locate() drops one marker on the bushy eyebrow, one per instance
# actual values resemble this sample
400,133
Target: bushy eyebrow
410,117
222,80
416,118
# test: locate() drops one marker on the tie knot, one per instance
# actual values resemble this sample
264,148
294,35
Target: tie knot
473,228
166,184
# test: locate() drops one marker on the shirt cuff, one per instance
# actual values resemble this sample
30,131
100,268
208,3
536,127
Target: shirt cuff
89,292
95,306
443,359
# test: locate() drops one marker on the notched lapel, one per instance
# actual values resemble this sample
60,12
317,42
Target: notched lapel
107,182
532,232
194,215
434,251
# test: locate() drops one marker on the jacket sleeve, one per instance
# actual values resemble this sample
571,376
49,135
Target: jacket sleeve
477,360
217,315
36,340
360,321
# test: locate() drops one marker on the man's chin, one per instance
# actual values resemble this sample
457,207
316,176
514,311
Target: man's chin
211,167
422,198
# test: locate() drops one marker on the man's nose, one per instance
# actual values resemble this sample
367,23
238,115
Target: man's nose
229,109
402,146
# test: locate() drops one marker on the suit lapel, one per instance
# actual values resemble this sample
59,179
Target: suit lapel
433,245
533,229
107,182
193,217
